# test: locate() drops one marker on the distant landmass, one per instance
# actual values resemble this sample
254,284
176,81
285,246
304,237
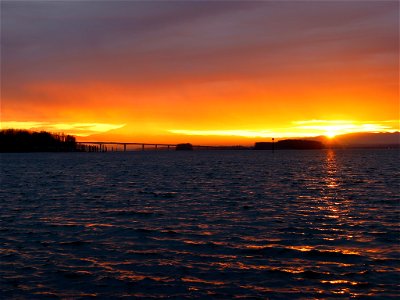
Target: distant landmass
12,140
290,144
368,139
360,139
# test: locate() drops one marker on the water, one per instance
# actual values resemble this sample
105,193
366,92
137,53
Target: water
201,224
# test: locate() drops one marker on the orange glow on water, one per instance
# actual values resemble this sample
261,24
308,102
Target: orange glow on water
339,281
198,280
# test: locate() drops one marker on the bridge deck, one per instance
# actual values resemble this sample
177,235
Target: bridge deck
101,146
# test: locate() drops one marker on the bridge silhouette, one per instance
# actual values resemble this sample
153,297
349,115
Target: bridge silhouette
123,146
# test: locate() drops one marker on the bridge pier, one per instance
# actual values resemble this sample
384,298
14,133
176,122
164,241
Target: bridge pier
124,147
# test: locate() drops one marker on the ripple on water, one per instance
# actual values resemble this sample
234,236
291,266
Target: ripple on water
308,224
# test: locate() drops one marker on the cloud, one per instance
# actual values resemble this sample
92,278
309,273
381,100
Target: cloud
78,129
306,128
334,127
239,133
185,63
145,41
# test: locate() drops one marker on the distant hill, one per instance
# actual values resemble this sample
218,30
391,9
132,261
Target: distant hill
368,139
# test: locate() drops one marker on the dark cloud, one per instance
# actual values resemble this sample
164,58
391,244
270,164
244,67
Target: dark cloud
151,41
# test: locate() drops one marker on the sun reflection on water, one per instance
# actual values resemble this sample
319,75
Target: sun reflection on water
334,205
331,169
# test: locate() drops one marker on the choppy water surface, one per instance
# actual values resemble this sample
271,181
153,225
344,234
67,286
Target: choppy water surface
201,224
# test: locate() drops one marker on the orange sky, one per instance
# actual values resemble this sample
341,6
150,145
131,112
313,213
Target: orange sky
200,71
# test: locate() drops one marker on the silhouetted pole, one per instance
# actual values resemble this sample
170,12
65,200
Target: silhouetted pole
142,147
124,147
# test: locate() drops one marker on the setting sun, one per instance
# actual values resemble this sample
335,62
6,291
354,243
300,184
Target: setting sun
330,134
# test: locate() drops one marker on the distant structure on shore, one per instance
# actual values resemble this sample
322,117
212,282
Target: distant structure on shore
187,147
289,144
14,140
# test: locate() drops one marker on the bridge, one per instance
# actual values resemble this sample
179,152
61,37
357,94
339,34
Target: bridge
128,146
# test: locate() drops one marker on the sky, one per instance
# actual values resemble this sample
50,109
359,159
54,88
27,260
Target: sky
201,71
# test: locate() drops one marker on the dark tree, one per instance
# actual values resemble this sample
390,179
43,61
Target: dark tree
13,140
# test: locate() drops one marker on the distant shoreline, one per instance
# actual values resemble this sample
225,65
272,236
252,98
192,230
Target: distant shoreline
218,149
24,141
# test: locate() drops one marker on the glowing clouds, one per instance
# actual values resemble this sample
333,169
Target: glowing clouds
331,128
309,128
77,129
238,133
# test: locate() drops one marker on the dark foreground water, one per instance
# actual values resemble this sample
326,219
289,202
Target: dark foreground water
201,224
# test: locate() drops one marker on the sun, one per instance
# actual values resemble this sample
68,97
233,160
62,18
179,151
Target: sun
331,131
330,134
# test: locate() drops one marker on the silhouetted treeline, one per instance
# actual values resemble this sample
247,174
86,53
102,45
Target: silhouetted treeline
13,140
289,144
